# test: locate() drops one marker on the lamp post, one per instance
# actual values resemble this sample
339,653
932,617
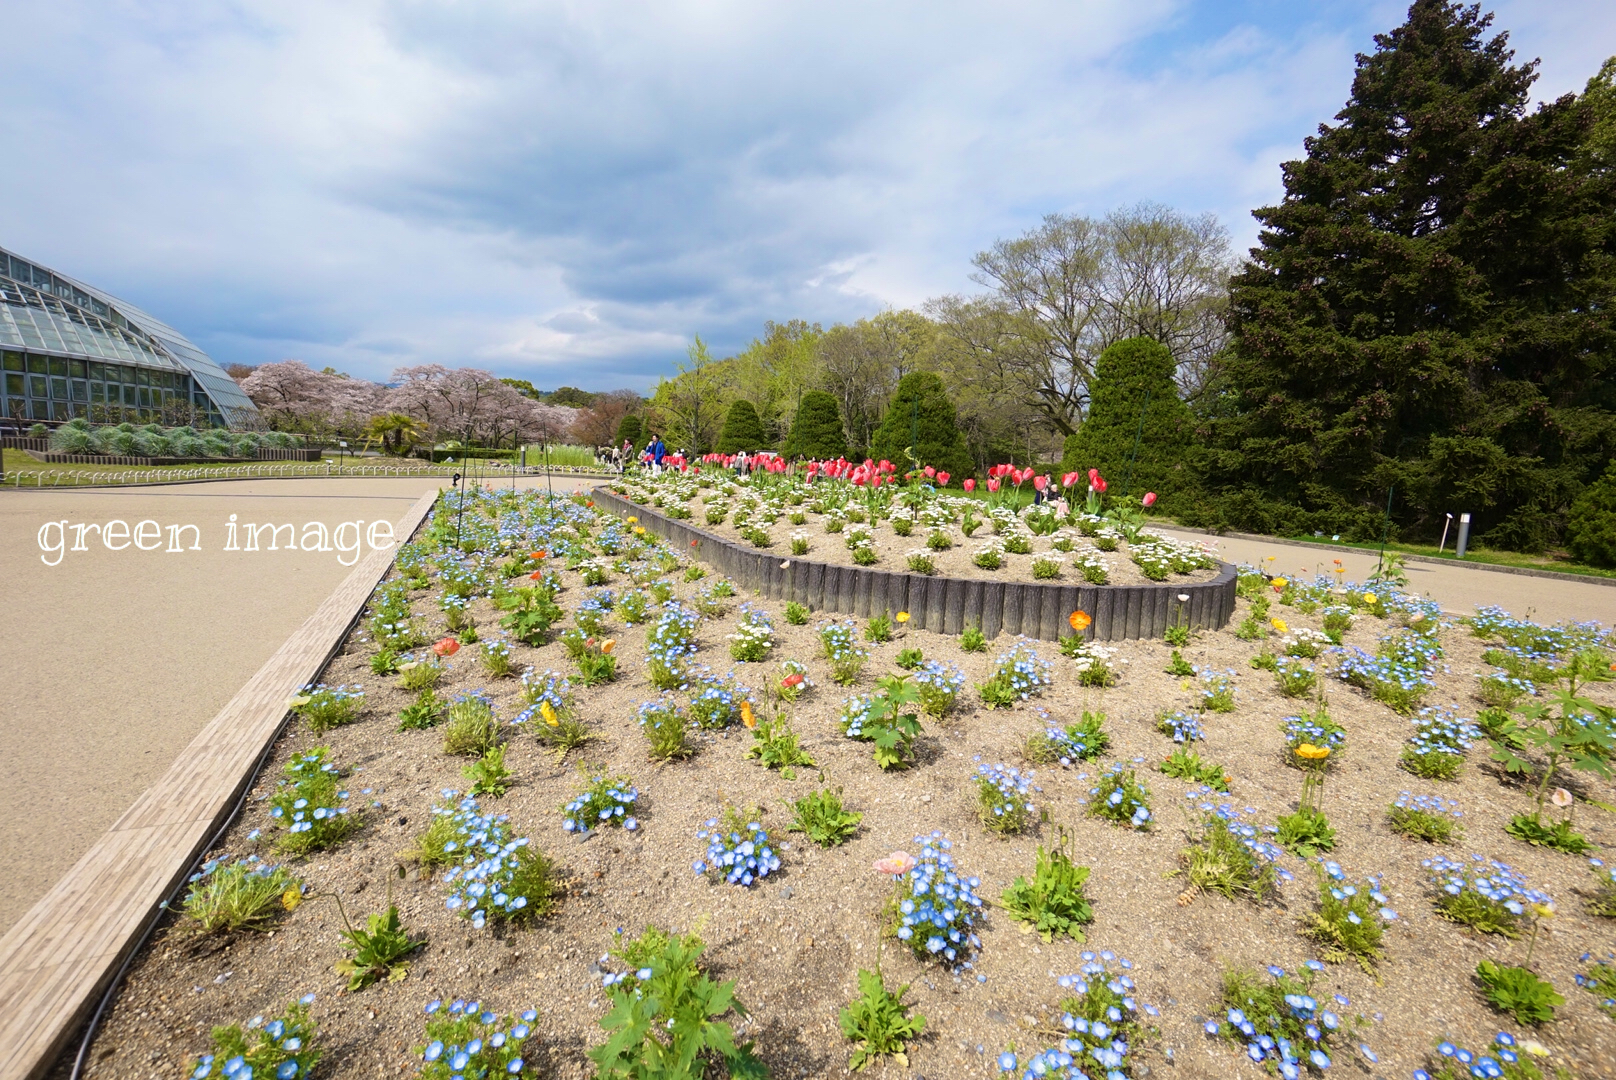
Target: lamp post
1444,542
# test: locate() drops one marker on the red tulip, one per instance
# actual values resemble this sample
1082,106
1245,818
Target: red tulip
1149,499
1040,482
1069,479
993,484
930,471
970,484
942,478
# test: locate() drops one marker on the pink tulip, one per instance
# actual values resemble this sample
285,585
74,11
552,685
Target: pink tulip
1040,482
930,471
1150,498
942,478
993,484
970,484
1069,479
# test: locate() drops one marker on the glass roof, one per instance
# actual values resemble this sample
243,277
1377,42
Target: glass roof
43,311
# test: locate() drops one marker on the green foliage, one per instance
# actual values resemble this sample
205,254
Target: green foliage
533,615
378,950
1591,522
667,734
879,629
1185,764
419,675
498,1043
910,659
742,429
879,1022
1076,742
1053,902
1518,992
439,844
1347,922
488,774
242,895
1306,832
816,430
1119,797
385,662
774,744
796,614
1559,835
1180,667
1418,311
666,1027
1218,859
1424,825
308,804
922,415
973,640
325,707
471,729
1133,382
821,816
264,1048
889,725
424,712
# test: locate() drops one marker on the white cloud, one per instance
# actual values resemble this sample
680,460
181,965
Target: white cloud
568,191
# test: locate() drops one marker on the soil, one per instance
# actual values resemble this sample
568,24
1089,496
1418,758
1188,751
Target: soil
794,943
892,549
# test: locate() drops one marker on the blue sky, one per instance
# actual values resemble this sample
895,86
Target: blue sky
567,192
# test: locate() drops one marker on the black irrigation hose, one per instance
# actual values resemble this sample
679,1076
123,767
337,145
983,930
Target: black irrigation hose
117,980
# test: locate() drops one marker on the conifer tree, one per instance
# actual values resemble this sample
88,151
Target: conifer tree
742,429
1430,308
922,416
1137,427
816,430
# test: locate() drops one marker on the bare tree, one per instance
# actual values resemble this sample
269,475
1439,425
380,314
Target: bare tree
597,425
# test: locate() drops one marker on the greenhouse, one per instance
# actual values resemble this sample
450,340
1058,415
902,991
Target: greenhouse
69,350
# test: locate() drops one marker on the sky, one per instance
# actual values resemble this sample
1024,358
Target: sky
568,192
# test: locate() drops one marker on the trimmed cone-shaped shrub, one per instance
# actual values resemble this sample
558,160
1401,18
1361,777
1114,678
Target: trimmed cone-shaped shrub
742,429
1591,525
933,431
631,429
1127,375
816,431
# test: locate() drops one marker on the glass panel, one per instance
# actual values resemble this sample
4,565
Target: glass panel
36,364
98,371
59,410
59,389
58,366
13,361
39,410
14,384
142,377
78,409
81,390
36,386
98,394
75,368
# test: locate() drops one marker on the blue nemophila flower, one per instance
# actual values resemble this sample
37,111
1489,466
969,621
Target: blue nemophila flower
937,909
1004,797
738,851
940,685
1181,726
1017,675
470,1041
1486,894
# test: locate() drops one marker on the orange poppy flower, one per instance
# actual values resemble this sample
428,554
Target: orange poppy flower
746,715
608,645
446,646
1079,620
537,575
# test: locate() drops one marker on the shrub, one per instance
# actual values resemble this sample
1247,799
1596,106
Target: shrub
324,707
663,723
796,614
1591,523
1138,425
939,685
775,746
921,417
973,640
816,429
242,895
742,430
488,774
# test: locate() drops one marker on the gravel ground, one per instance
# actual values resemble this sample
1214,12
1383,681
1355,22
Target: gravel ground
795,942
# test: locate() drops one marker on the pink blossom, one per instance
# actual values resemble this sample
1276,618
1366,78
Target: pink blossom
897,864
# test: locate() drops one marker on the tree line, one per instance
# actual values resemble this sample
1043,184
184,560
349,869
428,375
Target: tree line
1424,328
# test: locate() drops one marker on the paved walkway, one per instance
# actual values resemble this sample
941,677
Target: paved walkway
112,661
1459,589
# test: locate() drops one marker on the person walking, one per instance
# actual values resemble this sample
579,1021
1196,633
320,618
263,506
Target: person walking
658,452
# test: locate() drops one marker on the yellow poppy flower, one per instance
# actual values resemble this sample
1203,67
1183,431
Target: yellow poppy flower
902,616
291,898
1280,625
746,715
1310,752
1370,598
549,714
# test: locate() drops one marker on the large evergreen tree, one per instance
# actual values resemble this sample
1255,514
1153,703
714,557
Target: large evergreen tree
743,430
1138,427
631,429
921,416
816,430
1430,307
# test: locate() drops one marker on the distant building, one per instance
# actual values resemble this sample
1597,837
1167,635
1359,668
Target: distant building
69,350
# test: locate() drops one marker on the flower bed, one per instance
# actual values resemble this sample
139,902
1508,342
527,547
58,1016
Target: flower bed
608,805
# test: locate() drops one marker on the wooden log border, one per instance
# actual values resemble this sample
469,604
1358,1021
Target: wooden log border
946,605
